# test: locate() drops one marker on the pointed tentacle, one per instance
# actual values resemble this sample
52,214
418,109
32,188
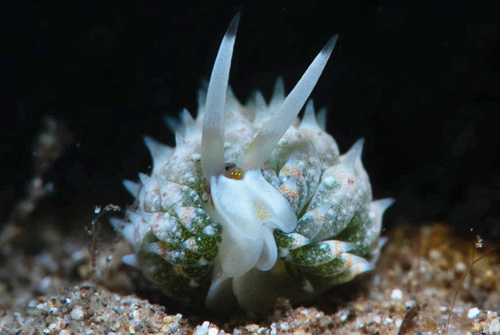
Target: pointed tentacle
270,134
278,94
354,154
321,118
212,144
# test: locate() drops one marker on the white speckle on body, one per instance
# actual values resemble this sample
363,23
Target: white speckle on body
328,181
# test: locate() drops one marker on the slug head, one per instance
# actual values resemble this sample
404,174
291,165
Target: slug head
244,203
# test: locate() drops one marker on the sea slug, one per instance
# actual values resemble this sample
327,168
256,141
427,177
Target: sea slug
252,203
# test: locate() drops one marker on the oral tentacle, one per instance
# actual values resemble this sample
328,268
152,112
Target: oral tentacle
245,207
212,143
270,134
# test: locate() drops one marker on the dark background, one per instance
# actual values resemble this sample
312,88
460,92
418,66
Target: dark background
418,79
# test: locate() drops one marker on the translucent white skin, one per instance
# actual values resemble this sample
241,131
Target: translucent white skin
248,209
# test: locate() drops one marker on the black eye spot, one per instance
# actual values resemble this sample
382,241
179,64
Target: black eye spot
233,172
229,167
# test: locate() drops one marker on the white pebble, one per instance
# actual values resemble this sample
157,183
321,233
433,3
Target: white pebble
284,326
203,329
473,312
410,304
54,326
435,254
495,326
461,267
343,315
44,284
77,314
397,294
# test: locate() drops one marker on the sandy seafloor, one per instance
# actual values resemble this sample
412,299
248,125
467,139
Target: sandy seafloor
419,80
410,292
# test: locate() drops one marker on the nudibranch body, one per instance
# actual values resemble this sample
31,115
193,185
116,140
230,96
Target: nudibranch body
253,203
